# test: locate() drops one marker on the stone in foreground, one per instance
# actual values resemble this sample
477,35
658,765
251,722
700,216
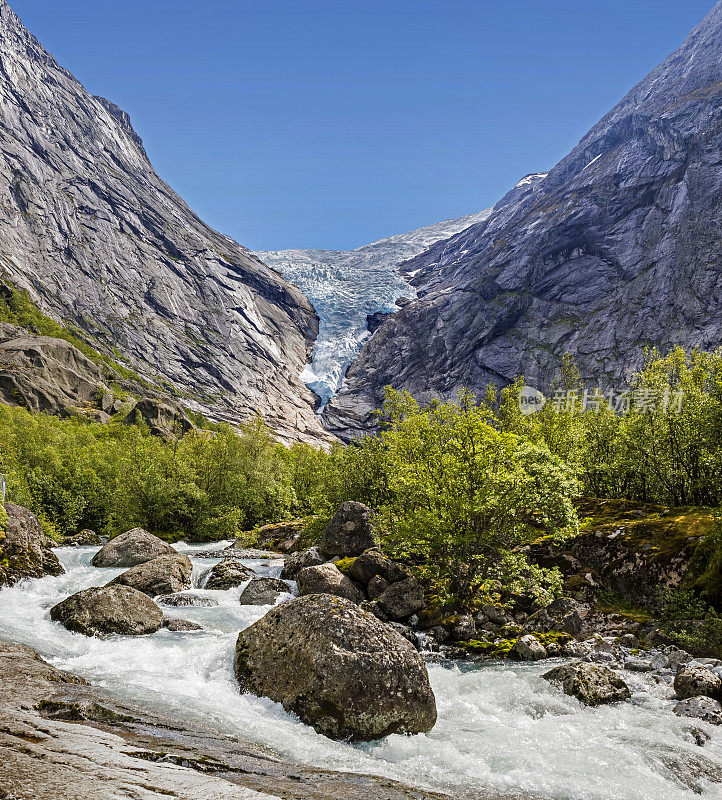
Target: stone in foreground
108,609
350,530
338,668
131,548
591,684
162,575
24,548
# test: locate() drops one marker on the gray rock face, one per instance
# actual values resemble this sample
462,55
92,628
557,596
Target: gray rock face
337,667
100,241
262,592
162,575
45,374
108,609
133,547
591,684
350,530
24,548
327,579
693,680
618,246
226,575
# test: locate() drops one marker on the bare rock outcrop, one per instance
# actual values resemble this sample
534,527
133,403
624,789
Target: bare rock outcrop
102,243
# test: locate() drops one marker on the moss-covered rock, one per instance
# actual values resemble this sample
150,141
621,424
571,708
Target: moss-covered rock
24,548
339,668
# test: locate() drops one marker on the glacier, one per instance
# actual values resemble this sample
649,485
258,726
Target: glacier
347,286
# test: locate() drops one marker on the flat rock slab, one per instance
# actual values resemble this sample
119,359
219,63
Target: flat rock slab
62,739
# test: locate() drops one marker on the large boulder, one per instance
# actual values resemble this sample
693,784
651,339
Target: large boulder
227,575
294,563
24,548
591,684
162,575
262,592
108,609
130,548
693,680
350,530
327,579
402,599
338,668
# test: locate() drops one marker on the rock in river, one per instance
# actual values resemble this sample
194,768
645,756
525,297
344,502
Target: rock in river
591,684
162,575
693,680
130,548
108,609
226,575
262,592
338,668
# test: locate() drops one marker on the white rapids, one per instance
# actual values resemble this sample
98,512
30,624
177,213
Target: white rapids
502,730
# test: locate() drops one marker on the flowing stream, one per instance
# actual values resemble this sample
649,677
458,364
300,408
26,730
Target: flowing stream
502,730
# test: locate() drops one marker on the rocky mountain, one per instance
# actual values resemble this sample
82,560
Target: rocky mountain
616,248
347,287
101,243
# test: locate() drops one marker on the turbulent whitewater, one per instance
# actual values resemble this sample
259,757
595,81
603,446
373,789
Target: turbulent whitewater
502,730
346,286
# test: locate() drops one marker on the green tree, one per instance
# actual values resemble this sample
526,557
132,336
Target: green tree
465,494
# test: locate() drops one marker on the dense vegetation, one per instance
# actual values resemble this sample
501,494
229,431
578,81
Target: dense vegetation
457,485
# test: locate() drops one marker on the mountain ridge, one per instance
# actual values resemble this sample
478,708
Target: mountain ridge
618,247
100,242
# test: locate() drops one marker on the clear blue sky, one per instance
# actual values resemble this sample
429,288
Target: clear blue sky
332,123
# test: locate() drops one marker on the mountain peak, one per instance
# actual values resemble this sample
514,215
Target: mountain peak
102,243
617,247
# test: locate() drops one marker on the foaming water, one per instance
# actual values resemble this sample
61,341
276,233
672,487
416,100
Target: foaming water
501,729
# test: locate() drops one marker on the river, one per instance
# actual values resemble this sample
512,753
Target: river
501,728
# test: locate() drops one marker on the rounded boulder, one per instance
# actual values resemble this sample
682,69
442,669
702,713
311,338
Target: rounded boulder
338,668
131,548
327,579
162,575
108,609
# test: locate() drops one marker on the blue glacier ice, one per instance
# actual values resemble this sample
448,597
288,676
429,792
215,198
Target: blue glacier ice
346,286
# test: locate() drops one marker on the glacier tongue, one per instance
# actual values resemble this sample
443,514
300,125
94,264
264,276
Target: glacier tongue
346,286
